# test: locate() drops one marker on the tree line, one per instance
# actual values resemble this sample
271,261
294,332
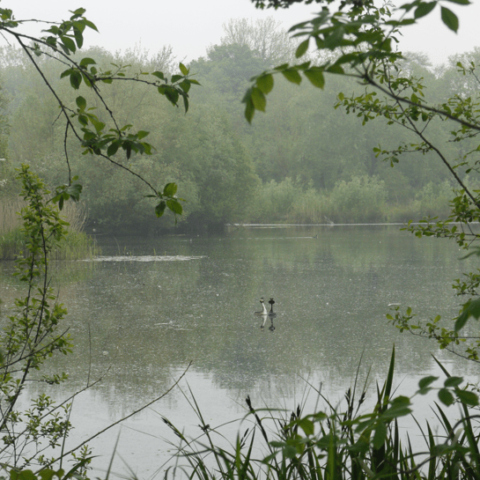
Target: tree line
304,162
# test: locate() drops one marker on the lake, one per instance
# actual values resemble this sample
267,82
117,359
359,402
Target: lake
150,306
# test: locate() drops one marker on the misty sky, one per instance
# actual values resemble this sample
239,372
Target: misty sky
190,26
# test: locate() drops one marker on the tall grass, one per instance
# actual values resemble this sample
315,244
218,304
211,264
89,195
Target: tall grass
360,200
12,241
340,443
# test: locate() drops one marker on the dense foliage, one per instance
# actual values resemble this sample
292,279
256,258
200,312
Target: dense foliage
302,163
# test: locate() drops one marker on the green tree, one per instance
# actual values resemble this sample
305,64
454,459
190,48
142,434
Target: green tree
98,133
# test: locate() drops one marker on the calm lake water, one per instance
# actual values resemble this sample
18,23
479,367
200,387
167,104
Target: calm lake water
139,321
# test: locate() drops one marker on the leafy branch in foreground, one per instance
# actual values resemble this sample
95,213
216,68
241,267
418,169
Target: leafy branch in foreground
361,36
357,40
61,42
32,334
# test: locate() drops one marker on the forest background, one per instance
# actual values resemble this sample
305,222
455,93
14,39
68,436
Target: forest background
304,162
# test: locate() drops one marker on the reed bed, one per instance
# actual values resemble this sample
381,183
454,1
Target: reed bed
360,200
77,244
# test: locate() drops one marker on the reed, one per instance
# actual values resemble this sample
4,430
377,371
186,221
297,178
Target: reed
77,244
340,443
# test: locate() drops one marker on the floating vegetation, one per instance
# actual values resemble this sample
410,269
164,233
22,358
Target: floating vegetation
143,258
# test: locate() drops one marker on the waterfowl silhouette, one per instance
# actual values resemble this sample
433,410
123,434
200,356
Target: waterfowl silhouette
271,313
264,308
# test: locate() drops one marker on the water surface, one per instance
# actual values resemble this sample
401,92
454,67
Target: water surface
149,307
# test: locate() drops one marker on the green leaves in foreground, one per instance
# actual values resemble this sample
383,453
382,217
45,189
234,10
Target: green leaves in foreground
67,191
168,199
472,309
255,96
449,391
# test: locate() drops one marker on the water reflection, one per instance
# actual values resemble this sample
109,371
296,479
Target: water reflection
332,294
265,318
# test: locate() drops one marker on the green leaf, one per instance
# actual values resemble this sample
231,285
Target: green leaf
249,110
316,77
175,206
469,398
90,24
424,9
69,43
380,435
26,475
113,147
160,208
172,95
75,79
78,12
170,189
461,2
99,126
445,396
81,103
292,76
472,310
78,37
449,19
426,381
336,69
249,107
265,83
185,86
183,69
185,102
87,61
74,191
453,381
281,67
159,75
142,134
307,426
258,99
290,452
46,474
335,39
66,73
275,444
302,48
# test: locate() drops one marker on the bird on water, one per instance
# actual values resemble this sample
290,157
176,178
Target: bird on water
271,313
264,308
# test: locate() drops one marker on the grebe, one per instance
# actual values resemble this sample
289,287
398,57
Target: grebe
264,308
271,313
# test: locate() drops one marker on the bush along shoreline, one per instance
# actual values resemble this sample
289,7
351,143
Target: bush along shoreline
75,246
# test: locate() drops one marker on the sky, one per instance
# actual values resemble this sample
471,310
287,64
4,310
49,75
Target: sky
191,26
